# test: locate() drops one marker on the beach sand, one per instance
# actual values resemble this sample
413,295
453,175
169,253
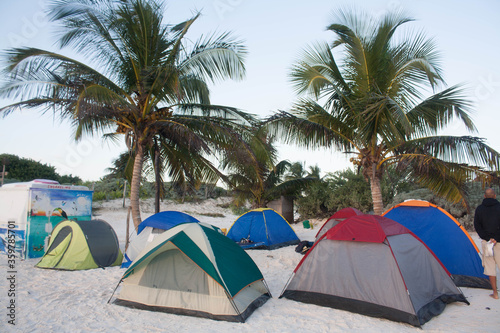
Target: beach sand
65,301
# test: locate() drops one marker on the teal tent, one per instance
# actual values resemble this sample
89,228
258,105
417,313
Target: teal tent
192,269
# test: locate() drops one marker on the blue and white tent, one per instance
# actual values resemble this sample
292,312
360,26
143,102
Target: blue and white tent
150,228
262,228
166,220
446,237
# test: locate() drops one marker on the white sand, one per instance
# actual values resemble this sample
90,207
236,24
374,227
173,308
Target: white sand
61,301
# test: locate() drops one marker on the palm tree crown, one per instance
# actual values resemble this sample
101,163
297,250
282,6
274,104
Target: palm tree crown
255,175
147,81
373,106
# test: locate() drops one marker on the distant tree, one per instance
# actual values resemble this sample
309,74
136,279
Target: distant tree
348,188
122,167
312,202
254,173
314,172
295,171
27,169
70,179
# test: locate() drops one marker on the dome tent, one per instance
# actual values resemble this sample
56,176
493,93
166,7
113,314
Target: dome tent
262,228
374,266
336,218
446,237
78,245
192,269
152,227
166,220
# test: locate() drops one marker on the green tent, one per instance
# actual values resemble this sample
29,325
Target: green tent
192,269
78,245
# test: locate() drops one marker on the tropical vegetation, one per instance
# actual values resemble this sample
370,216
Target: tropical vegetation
20,169
373,92
348,188
140,78
376,92
255,175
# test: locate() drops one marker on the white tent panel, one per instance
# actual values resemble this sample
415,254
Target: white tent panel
173,280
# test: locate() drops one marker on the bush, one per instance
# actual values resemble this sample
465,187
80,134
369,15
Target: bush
313,202
108,189
98,196
346,189
112,188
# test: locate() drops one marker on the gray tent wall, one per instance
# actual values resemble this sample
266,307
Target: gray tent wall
410,286
102,241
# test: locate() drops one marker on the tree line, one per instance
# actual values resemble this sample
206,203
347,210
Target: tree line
20,169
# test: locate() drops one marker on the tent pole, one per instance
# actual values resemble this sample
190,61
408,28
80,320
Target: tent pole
117,285
287,283
234,305
267,287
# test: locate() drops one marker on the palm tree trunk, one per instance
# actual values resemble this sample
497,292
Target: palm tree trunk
376,190
157,180
135,185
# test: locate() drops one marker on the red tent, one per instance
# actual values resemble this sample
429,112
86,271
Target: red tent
336,218
372,265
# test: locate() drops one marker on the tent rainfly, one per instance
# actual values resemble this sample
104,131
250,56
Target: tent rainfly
78,245
374,266
446,237
262,228
192,269
336,218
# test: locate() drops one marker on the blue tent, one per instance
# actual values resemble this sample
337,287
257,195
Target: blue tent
152,227
446,237
262,228
165,220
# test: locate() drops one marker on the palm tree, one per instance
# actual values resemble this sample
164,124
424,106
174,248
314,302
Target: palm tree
296,170
147,80
367,98
184,166
121,167
254,173
314,172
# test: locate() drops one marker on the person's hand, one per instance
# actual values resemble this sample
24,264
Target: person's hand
492,240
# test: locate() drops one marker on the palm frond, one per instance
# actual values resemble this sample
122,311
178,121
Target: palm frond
216,57
463,150
440,109
311,128
317,71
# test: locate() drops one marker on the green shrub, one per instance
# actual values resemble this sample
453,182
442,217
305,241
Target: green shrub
346,188
98,196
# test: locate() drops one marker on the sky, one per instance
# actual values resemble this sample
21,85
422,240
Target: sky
467,34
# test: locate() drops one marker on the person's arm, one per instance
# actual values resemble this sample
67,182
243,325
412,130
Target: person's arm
496,236
478,225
